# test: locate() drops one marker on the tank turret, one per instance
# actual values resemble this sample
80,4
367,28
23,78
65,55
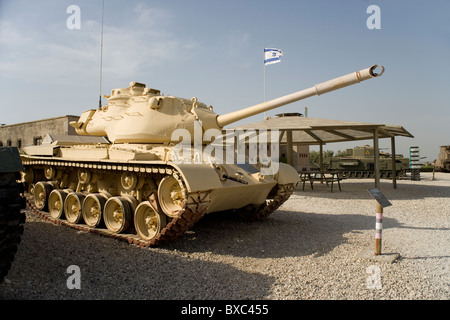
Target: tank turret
137,114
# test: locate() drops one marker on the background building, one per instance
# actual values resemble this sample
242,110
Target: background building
32,133
300,156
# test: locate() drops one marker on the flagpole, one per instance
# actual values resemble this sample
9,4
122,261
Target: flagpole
274,58
264,57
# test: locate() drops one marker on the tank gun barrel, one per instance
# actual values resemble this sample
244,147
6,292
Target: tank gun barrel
318,89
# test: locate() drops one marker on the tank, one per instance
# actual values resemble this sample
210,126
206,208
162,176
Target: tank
150,182
443,160
12,202
359,163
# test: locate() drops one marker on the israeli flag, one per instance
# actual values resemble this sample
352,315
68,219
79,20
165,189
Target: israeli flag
272,55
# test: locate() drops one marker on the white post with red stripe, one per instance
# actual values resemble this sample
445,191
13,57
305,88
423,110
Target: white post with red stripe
381,203
378,229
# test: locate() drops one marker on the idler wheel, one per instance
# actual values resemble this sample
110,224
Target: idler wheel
92,209
170,196
41,192
147,222
72,207
118,214
56,203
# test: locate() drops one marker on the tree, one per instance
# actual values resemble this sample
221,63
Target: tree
341,153
314,156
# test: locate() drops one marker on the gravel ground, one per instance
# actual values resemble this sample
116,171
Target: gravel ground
306,250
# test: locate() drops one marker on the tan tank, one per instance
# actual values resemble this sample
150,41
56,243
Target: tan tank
160,173
443,160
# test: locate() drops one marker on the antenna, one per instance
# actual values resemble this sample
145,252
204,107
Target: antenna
101,59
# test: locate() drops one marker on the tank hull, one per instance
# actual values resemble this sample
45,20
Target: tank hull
177,194
362,164
226,195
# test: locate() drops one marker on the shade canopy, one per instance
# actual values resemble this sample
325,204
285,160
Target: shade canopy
297,130
313,131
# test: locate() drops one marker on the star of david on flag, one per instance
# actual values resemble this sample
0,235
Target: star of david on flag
272,55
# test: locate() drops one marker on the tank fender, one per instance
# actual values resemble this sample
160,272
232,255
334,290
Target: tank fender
287,174
198,177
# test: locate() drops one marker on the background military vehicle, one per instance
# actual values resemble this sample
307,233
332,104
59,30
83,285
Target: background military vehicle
443,160
11,204
135,188
359,163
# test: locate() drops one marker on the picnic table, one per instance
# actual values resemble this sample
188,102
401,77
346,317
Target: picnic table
329,177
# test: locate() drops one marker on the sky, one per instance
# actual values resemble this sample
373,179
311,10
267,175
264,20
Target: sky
213,50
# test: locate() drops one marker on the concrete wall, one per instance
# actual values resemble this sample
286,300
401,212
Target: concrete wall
32,133
300,156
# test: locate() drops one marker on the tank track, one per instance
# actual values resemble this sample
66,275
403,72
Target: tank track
173,230
443,168
261,212
370,174
11,219
178,226
194,205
